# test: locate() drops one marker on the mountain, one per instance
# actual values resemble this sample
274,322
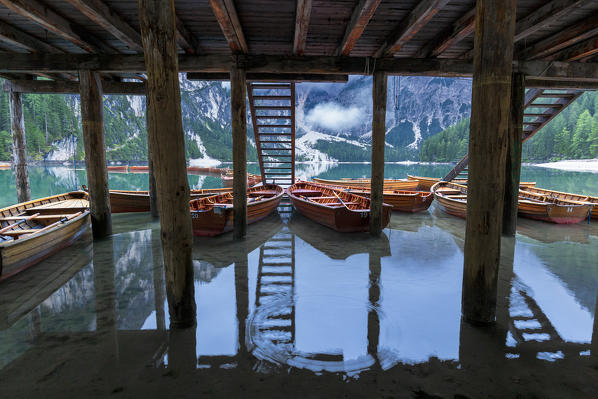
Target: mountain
333,120
572,134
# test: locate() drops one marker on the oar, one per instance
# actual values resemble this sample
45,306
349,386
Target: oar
63,220
342,202
19,222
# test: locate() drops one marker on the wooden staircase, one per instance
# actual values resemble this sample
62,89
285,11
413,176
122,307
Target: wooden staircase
541,106
272,108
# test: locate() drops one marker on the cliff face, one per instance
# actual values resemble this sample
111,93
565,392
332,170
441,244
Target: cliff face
333,120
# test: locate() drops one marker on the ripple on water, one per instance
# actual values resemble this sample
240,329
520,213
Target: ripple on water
270,338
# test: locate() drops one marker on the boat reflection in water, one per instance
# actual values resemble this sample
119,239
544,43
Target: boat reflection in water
298,298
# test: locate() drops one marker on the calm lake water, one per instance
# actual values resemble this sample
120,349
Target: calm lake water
298,304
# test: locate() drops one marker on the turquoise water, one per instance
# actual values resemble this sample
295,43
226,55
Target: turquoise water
297,305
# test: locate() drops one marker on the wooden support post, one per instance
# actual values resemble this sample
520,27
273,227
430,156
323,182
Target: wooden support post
159,296
92,118
493,54
239,124
165,133
150,164
374,298
378,138
513,159
19,146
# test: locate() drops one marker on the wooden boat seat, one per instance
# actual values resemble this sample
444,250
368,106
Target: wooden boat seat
223,205
457,196
307,192
263,193
449,191
17,233
42,217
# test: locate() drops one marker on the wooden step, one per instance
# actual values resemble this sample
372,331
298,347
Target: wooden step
271,97
286,126
275,142
273,117
261,86
272,107
274,134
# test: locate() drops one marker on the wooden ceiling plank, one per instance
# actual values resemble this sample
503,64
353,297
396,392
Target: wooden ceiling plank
185,38
360,18
581,30
271,77
50,20
64,87
416,20
302,17
101,14
577,52
24,40
545,16
226,14
461,29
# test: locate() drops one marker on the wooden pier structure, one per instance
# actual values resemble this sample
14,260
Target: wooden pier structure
95,47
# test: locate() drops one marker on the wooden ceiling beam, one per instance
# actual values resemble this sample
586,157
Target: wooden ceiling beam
302,16
101,14
545,16
185,38
226,14
328,65
24,40
559,84
50,20
417,19
67,87
461,29
581,30
271,77
360,18
578,52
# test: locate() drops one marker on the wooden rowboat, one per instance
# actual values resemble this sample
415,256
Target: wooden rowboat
34,230
566,196
122,201
213,215
119,169
451,197
337,209
389,184
252,180
400,200
4,166
550,209
426,183
139,169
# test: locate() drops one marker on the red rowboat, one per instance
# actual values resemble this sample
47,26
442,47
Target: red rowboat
213,215
337,209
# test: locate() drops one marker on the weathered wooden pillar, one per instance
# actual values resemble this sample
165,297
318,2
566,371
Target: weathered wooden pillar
165,133
150,164
92,118
19,146
513,160
594,347
374,298
378,139
239,125
493,54
158,284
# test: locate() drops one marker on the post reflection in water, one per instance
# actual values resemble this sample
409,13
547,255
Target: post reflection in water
297,298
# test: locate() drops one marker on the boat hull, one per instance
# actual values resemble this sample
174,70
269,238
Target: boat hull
338,218
560,214
455,208
389,184
219,220
139,201
20,254
567,197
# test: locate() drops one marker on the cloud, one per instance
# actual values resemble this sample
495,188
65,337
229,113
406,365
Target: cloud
334,116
